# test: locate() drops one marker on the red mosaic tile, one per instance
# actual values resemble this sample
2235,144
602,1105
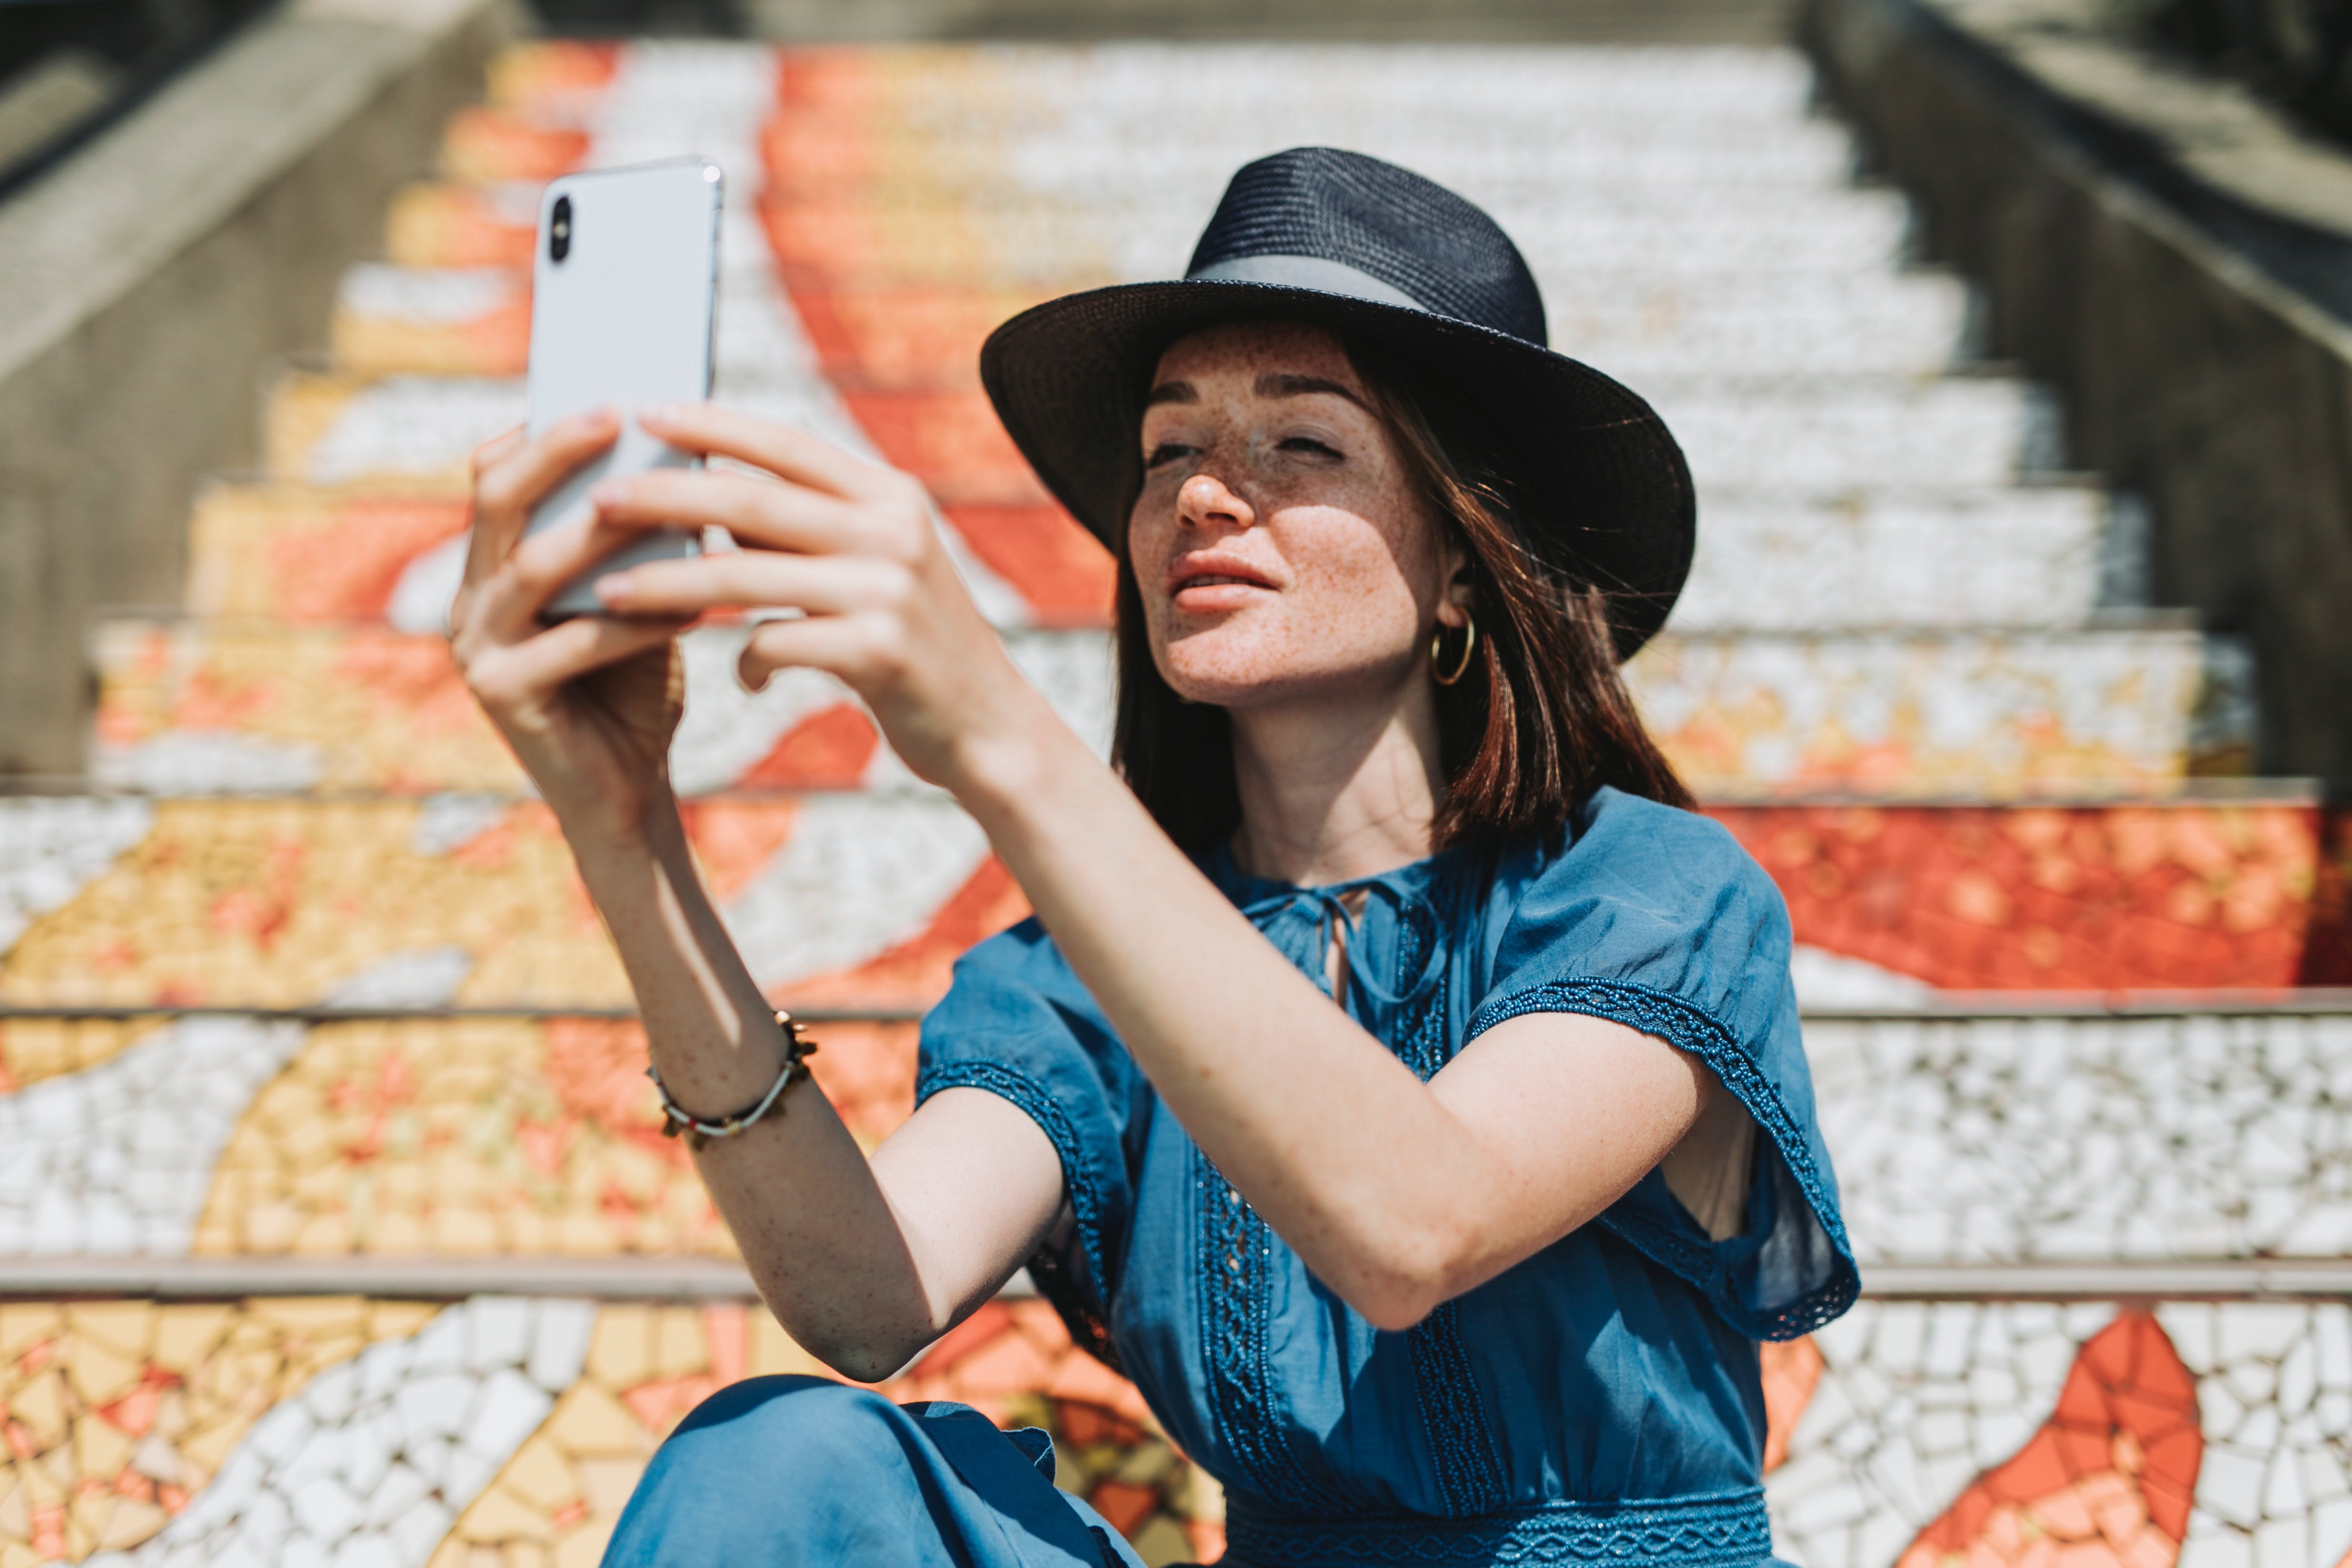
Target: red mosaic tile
2175,895
830,750
1792,1369
2089,1489
1063,573
952,442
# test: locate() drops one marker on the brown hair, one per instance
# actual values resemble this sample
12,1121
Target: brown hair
1542,719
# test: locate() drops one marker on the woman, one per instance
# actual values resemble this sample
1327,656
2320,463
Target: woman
1465,1269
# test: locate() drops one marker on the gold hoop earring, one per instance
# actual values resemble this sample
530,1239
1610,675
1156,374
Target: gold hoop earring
1437,670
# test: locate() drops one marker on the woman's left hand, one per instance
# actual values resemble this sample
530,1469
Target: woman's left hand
854,546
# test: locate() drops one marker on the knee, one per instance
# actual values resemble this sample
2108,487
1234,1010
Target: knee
776,1470
770,1431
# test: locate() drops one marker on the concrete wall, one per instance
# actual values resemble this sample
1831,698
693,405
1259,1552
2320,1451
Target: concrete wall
2189,315
152,279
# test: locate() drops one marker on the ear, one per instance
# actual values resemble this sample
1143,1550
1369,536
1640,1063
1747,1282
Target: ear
1461,588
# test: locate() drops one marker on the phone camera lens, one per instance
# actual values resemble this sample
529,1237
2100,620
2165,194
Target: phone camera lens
558,230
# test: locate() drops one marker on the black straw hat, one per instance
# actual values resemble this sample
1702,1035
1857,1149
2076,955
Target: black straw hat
1341,240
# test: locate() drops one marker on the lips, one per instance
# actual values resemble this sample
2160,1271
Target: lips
1200,572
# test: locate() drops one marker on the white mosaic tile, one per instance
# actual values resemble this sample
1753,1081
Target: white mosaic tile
376,1457
1999,1140
905,854
52,848
117,1158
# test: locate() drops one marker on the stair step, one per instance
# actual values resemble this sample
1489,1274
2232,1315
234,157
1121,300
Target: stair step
865,899
2024,558
1811,437
193,707
476,321
1910,714
1962,1143
510,1427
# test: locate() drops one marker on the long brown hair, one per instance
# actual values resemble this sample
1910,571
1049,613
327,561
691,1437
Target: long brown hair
1540,720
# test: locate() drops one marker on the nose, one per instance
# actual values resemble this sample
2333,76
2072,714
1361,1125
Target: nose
1207,502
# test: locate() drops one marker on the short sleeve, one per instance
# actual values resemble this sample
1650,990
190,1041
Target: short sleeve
1018,1023
1656,918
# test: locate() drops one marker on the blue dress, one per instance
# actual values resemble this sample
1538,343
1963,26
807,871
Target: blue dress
1597,1402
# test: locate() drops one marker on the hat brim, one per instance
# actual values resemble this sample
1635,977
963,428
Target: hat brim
1617,511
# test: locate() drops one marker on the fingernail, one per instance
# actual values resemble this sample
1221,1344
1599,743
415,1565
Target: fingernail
661,411
612,493
614,587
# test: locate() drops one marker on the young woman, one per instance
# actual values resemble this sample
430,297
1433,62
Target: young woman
1399,1082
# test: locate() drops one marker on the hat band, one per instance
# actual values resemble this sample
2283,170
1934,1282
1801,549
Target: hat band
1306,272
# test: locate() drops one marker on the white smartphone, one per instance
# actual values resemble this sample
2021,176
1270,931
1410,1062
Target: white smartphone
623,307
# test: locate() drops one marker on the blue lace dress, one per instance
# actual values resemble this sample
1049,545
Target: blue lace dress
1599,1402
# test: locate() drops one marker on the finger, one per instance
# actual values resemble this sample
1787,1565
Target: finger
523,672
497,449
539,568
839,643
822,585
756,511
520,478
781,450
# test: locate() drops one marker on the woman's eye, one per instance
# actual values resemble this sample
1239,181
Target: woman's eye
1165,453
1308,445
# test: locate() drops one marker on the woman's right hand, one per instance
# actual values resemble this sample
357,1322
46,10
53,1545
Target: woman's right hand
589,705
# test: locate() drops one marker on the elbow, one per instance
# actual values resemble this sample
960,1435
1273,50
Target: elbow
862,1362
865,1358
1406,1280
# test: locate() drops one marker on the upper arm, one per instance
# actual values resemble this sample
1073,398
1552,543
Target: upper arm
1568,1111
975,1185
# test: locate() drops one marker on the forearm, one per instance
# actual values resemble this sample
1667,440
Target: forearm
815,1230
1340,1147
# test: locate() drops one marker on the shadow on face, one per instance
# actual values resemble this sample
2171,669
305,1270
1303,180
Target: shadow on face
1282,548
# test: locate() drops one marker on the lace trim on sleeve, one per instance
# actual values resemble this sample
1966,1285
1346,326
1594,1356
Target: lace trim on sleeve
1084,1188
1687,1028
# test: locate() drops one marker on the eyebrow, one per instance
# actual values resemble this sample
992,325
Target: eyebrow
1274,383
1278,384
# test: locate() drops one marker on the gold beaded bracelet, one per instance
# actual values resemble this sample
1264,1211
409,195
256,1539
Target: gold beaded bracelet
677,1119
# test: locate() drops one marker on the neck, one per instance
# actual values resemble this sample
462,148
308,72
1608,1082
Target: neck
1331,792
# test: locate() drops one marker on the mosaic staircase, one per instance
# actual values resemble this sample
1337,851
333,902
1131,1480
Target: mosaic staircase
334,1226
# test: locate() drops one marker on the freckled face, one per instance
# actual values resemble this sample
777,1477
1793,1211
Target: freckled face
1281,550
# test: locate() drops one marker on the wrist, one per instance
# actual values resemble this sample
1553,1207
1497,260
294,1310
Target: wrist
1011,772
603,836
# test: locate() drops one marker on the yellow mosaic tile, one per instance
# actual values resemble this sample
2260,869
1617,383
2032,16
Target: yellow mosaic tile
371,711
277,903
114,1414
484,1135
35,1049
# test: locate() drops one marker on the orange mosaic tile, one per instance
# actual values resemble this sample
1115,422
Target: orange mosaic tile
2183,896
551,78
495,342
303,553
2109,1480
1791,1370
448,224
905,340
487,145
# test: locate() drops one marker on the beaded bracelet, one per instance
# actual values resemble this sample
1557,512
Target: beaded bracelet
677,1119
